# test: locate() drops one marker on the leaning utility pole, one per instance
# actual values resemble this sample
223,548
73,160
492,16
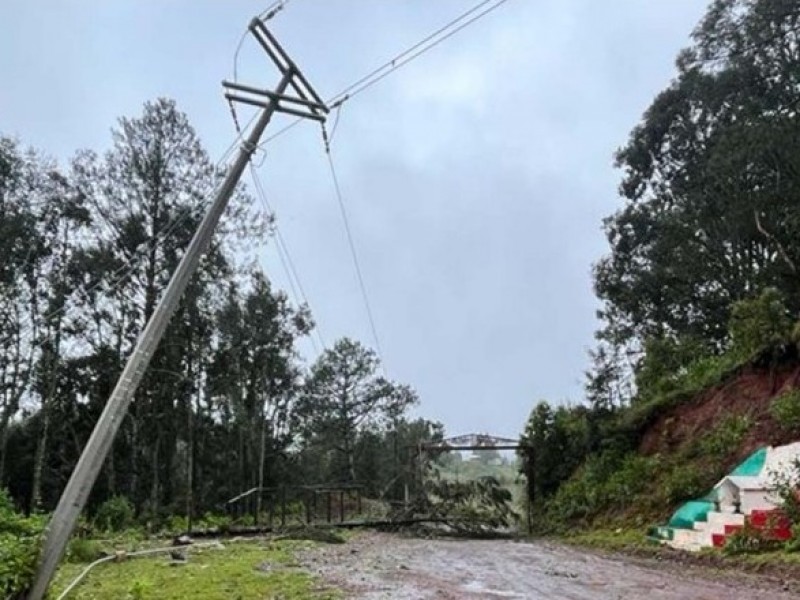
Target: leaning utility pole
305,103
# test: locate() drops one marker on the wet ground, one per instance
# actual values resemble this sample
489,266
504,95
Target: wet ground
374,566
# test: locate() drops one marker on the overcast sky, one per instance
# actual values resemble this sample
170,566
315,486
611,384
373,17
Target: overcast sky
476,177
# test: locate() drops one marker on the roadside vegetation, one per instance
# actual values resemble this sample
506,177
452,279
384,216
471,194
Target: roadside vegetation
697,361
240,569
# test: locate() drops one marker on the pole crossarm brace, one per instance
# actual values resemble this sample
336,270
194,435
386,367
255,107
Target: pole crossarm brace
80,484
305,97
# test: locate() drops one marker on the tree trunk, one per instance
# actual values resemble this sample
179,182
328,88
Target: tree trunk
38,460
54,360
154,487
111,474
261,460
134,463
189,464
3,443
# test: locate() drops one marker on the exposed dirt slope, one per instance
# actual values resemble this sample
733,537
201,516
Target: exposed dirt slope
747,393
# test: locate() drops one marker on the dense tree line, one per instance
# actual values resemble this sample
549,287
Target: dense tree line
227,403
711,192
702,271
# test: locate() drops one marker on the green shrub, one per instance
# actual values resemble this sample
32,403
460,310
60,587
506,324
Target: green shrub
6,504
19,548
245,520
632,478
758,323
707,372
115,514
748,540
177,524
793,544
785,409
725,437
665,361
784,485
683,483
606,482
83,550
213,521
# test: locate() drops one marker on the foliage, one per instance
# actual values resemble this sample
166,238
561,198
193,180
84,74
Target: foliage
556,442
670,364
83,550
115,514
476,506
710,213
683,482
759,323
19,548
704,373
700,281
785,409
725,437
748,540
177,524
214,521
621,538
785,487
606,482
793,544
345,395
227,402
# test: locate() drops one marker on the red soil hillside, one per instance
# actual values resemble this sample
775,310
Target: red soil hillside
748,393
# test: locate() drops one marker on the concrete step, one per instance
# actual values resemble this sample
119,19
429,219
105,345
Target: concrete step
717,521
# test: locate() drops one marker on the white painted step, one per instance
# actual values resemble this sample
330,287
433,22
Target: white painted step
718,520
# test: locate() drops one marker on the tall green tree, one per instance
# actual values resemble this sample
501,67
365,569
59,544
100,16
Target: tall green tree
710,184
556,444
19,247
255,374
344,395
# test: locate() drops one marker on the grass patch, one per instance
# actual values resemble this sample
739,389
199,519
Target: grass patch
240,571
608,539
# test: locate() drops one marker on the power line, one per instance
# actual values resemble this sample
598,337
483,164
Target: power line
286,258
408,55
470,16
282,248
353,253
413,52
427,43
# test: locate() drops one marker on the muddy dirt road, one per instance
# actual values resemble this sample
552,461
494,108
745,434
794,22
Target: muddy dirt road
374,566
